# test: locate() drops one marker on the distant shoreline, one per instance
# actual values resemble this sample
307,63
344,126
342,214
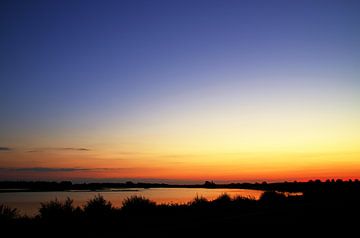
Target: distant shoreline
41,186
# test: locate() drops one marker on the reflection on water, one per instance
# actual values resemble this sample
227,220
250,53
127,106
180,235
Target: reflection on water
29,202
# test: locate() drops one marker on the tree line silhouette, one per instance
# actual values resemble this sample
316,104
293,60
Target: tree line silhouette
25,186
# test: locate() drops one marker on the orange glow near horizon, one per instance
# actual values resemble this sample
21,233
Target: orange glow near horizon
246,166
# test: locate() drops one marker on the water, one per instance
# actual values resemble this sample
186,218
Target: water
29,202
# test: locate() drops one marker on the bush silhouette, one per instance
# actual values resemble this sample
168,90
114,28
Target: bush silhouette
240,199
272,197
223,199
198,202
57,211
98,208
137,204
244,203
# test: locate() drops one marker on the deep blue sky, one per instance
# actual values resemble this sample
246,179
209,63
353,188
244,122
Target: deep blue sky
67,57
81,69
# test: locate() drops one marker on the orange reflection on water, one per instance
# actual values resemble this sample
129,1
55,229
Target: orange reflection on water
184,195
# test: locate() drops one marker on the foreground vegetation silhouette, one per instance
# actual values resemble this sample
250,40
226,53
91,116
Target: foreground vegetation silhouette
322,209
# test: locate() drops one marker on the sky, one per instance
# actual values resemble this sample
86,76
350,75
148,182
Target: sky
179,91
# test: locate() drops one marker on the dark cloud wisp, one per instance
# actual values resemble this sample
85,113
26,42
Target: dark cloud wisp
74,148
3,148
43,169
60,148
54,169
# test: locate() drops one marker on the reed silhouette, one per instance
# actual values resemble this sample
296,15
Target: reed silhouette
7,213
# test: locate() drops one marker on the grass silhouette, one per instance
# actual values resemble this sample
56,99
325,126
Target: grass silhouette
7,213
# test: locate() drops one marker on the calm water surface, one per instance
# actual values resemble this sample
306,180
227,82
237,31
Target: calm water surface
29,202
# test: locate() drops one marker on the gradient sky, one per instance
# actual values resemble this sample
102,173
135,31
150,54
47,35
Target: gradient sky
180,90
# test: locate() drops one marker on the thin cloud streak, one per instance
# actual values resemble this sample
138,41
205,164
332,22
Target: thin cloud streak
49,169
60,149
74,148
3,148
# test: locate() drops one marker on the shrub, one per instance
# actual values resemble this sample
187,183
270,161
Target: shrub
272,197
199,202
57,210
98,208
223,199
137,204
240,198
244,203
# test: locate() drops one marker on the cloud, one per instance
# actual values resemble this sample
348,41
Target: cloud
2,148
43,169
54,169
60,148
74,148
